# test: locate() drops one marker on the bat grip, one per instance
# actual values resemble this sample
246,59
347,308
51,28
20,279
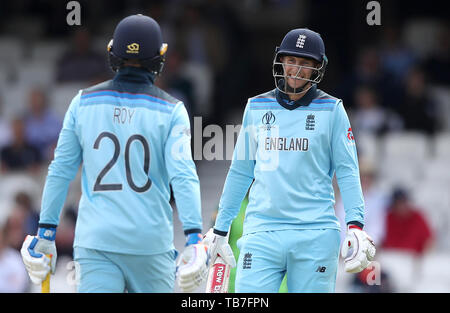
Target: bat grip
45,287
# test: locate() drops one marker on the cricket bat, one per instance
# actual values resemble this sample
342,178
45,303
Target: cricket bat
218,277
45,286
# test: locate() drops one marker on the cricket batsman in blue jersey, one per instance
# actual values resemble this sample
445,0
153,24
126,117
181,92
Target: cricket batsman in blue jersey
132,141
293,140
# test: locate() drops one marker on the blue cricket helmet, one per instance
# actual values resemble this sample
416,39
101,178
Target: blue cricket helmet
300,42
138,37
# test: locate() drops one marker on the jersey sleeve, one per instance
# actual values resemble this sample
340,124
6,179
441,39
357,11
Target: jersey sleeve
345,162
63,168
240,175
182,172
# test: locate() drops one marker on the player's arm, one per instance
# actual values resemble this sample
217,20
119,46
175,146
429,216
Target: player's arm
61,172
192,266
239,178
182,172
345,162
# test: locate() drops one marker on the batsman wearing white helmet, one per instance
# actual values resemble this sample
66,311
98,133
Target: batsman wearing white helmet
293,140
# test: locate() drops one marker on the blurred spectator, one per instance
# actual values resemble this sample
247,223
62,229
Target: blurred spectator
80,63
13,276
395,58
42,125
175,82
406,228
19,154
438,63
366,71
31,219
196,40
417,107
369,117
233,61
195,34
23,220
14,227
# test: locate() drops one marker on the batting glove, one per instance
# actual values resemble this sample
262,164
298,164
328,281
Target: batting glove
192,267
34,251
218,246
357,249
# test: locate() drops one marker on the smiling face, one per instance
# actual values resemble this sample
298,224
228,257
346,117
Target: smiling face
298,70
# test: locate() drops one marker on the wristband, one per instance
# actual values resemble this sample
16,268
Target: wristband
47,233
193,238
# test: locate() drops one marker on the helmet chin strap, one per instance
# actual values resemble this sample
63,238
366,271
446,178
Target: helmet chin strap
296,91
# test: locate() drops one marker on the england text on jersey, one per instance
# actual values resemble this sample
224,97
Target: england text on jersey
286,144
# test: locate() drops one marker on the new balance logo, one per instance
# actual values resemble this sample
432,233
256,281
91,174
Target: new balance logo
300,41
48,233
219,273
247,262
321,269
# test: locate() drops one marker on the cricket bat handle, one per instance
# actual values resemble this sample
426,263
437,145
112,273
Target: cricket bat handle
218,277
45,287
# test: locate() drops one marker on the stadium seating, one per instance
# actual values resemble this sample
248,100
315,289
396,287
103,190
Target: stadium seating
36,73
15,98
12,50
48,51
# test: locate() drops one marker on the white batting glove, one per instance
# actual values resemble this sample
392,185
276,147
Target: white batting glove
34,250
218,246
192,267
358,249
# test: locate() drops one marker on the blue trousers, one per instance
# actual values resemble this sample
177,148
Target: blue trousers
309,258
108,272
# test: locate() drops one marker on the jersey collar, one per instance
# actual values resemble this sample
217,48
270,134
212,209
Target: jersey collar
134,74
286,103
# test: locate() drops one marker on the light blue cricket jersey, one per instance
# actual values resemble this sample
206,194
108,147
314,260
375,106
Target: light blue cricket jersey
133,141
291,151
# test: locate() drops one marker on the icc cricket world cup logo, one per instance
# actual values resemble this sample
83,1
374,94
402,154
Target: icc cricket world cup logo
268,120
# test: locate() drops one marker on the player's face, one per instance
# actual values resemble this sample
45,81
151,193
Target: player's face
297,69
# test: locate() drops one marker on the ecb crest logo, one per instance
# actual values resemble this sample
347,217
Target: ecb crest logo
268,120
310,122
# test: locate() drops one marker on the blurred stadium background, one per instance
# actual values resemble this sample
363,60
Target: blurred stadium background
394,80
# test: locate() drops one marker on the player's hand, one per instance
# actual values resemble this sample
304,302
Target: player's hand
218,246
358,249
192,267
34,250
